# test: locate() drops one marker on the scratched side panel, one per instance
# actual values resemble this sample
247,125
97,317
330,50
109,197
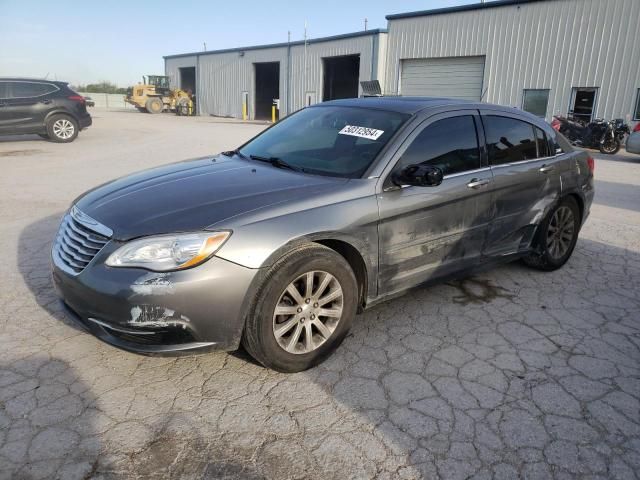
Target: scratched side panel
429,232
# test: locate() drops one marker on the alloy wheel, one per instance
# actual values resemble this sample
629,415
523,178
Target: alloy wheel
63,129
560,232
308,312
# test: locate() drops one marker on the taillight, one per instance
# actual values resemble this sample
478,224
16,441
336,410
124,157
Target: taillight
77,98
591,163
555,124
637,127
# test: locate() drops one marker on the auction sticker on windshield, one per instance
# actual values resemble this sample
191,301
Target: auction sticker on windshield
362,132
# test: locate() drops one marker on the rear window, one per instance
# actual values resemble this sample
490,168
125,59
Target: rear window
29,89
328,140
509,140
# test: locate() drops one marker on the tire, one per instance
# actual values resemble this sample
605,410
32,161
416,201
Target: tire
545,256
62,128
283,352
610,146
154,105
43,135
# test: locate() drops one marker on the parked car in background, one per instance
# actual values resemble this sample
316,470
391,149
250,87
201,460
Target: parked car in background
89,101
633,142
47,108
277,244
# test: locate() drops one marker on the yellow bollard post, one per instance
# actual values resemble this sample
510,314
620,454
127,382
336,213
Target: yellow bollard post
244,111
273,114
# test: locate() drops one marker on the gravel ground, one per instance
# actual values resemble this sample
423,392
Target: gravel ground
505,374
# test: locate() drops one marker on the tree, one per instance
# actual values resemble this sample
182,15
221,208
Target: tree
101,87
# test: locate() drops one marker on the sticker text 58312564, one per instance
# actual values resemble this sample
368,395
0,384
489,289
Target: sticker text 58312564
362,132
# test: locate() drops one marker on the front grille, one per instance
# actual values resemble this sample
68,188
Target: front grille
79,240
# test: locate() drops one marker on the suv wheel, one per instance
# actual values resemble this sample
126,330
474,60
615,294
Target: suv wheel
62,128
556,237
303,310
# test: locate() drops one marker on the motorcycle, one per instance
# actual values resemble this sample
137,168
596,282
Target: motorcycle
606,136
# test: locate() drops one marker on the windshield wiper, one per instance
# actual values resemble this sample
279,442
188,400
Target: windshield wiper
276,162
231,153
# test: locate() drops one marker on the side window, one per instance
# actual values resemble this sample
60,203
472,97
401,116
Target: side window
509,140
451,144
543,144
30,89
4,92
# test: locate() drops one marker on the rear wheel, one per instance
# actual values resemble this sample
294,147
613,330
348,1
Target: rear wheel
610,146
62,128
154,105
556,237
303,310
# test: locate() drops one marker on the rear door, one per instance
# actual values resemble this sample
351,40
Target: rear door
428,232
526,180
27,105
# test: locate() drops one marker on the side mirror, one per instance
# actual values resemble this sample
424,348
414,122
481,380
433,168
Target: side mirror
418,176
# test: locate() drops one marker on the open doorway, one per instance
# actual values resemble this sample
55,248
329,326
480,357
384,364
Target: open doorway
583,103
267,88
341,77
188,79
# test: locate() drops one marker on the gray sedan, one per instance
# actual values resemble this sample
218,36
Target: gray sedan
279,243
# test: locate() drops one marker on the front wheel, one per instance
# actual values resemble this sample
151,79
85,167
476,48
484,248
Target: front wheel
62,129
556,237
303,310
610,146
154,105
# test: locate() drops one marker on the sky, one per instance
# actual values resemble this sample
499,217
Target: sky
119,41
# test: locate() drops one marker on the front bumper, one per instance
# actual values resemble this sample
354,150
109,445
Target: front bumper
202,308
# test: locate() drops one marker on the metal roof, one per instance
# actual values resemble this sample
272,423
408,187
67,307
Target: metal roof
310,41
461,8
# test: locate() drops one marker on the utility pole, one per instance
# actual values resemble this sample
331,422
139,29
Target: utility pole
365,24
204,44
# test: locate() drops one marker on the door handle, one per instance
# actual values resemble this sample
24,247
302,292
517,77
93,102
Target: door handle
478,182
547,168
46,102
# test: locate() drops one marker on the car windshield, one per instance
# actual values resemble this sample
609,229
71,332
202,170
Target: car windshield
326,140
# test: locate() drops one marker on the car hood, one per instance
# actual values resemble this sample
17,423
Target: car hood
192,195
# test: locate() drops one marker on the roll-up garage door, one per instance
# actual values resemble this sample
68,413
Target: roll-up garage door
452,77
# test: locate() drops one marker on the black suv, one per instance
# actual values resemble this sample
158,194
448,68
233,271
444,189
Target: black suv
47,108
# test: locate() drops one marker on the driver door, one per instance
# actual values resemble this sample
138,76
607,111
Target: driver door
429,232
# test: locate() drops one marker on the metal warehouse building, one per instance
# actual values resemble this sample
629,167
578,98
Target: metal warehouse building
225,80
545,56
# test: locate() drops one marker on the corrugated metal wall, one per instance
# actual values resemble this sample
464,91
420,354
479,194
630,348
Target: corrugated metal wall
172,68
222,77
556,45
315,53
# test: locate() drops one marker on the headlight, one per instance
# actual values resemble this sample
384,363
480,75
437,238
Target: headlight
168,252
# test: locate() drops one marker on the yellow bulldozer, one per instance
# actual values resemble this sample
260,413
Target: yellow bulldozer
154,95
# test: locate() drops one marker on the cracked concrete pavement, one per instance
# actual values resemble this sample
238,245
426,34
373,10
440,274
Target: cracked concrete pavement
511,373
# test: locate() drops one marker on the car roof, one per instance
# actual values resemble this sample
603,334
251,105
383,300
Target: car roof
37,80
415,105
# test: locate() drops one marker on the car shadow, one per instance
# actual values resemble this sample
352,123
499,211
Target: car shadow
21,138
617,195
